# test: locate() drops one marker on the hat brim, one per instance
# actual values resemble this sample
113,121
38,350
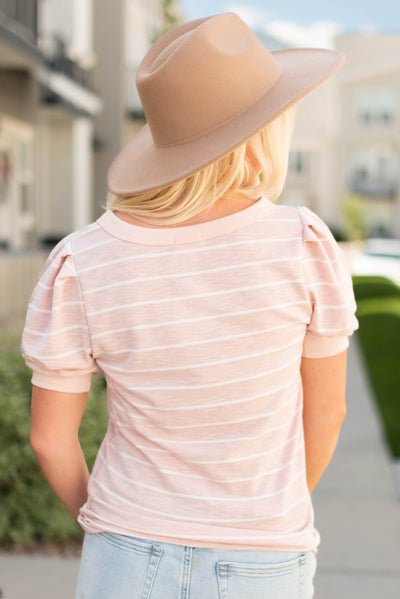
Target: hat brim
142,166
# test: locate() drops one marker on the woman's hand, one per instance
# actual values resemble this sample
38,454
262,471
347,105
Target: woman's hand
55,421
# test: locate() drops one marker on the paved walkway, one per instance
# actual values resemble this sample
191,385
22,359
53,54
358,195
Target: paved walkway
357,514
357,511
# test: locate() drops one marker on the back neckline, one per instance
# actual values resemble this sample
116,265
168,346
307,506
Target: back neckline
187,233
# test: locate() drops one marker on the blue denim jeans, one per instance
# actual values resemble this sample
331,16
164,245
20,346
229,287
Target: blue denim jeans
115,566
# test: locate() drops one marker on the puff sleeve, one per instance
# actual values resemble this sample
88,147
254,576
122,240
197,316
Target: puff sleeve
329,289
56,341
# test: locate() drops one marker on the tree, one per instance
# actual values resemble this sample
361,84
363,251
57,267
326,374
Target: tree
354,216
170,17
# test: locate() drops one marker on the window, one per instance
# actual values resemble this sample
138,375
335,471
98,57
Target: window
376,107
374,172
297,162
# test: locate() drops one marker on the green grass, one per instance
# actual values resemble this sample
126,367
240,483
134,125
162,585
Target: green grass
378,312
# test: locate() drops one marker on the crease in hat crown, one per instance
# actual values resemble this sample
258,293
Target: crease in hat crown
216,69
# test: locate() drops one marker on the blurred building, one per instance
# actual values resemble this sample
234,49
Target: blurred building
47,106
67,104
370,105
347,137
124,31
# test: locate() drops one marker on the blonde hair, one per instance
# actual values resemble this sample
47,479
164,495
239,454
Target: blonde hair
229,175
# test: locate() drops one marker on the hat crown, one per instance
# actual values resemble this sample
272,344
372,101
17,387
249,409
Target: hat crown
200,76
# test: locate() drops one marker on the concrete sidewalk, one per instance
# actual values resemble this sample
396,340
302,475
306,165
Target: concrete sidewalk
37,577
356,508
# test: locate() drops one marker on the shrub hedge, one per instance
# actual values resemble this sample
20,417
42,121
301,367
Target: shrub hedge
373,286
378,312
30,511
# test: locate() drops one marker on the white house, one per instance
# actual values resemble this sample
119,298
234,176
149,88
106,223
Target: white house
347,137
47,106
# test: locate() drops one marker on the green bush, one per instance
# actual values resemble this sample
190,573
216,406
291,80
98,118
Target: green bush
374,286
378,312
337,232
30,511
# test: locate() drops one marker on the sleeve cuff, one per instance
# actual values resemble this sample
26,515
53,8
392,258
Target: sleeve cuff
68,384
322,347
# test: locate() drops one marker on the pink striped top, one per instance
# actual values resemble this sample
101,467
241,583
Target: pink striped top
199,331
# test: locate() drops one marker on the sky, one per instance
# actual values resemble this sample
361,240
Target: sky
307,23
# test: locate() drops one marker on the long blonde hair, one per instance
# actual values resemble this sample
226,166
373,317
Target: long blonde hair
229,175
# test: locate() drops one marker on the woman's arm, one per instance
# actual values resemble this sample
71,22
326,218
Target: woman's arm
54,439
324,409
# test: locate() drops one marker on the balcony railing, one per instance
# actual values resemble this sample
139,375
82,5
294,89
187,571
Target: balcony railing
20,16
54,51
373,186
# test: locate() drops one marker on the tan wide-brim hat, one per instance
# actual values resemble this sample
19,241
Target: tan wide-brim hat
207,86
